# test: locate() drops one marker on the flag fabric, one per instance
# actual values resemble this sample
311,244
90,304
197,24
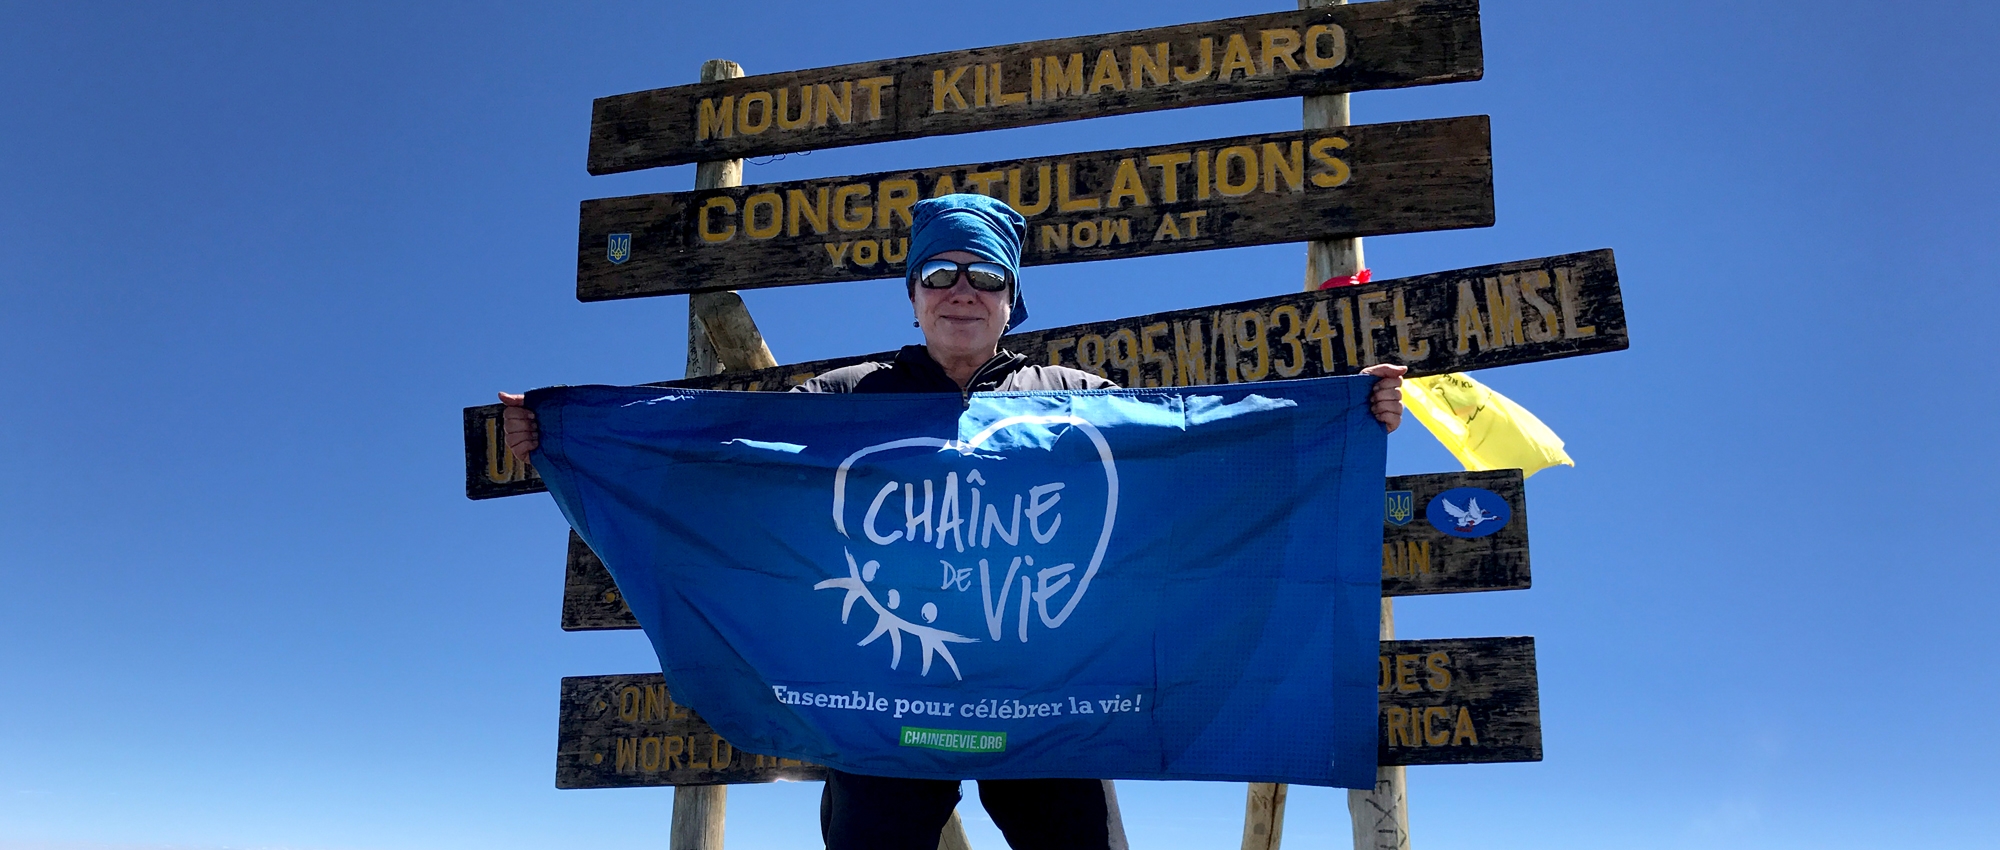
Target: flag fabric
1482,428
1146,584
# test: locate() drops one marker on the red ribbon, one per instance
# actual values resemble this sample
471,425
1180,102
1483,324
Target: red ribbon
1362,276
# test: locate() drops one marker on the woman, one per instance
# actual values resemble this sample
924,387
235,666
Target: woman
965,291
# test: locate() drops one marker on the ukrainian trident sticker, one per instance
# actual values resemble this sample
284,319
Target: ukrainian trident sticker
1399,507
618,247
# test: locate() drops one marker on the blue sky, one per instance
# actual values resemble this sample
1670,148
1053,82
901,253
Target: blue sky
254,258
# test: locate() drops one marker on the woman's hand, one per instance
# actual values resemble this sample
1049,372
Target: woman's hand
524,433
1386,402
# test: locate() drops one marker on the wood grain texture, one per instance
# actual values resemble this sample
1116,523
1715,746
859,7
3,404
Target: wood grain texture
1474,700
1100,205
1436,323
1417,558
1383,45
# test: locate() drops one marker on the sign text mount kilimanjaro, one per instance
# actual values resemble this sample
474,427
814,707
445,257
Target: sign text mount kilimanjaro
1380,45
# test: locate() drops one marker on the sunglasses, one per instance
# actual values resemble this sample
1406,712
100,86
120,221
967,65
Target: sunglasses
943,274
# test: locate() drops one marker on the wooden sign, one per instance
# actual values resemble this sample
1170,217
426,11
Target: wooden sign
626,731
1457,701
1456,321
1365,46
1103,205
1417,557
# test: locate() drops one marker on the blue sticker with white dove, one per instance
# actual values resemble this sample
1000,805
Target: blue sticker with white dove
1468,512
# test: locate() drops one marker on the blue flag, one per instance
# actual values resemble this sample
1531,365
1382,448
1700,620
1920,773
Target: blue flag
1117,584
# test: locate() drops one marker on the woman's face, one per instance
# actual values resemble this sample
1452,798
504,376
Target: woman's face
962,320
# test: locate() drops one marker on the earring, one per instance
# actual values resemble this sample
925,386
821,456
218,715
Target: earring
916,324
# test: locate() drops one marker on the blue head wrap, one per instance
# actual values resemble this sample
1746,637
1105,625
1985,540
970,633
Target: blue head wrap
976,224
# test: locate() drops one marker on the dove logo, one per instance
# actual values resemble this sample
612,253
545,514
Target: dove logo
1468,512
1015,521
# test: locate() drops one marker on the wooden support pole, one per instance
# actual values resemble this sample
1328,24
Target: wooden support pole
699,809
721,335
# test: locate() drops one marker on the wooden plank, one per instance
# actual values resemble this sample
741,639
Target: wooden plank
1548,308
626,731
1100,205
1383,45
1459,701
1455,701
1417,558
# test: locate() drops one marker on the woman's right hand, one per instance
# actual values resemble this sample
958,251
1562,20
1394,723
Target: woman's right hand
518,423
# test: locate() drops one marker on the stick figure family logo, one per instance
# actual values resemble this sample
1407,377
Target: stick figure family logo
1015,450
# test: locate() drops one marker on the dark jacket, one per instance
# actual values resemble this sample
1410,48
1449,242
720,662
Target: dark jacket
913,371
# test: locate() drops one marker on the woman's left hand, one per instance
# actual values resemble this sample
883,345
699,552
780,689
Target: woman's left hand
1386,402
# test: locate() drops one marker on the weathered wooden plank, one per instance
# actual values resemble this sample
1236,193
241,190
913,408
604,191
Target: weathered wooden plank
1101,205
1383,45
1455,321
1460,701
625,731
1417,558
1456,701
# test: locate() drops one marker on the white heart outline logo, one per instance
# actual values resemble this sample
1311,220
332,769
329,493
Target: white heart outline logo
933,640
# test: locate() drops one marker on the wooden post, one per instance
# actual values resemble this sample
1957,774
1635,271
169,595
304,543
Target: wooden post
699,809
721,335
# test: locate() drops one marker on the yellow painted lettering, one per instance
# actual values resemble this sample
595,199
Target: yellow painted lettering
812,211
1278,46
1191,223
1290,164
981,182
945,89
1196,75
852,217
1406,674
1370,323
1115,231
1464,733
1169,165
1503,310
1148,64
1543,326
629,701
1190,356
785,120
1166,231
1249,332
675,746
828,107
1333,38
1336,171
1059,81
837,252
715,120
1107,74
1043,197
759,103
866,252
728,207
894,198
1122,351
1083,234
1150,353
1399,316
1470,322
1433,736
753,223
1567,295
944,186
1287,318
1057,347
1438,663
1398,726
1055,237
1065,203
1228,161
872,87
628,755
1236,57
649,753
1125,186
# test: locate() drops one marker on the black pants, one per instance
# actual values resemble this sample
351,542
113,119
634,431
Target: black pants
879,813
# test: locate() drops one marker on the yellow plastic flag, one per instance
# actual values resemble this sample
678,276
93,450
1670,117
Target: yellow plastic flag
1482,428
